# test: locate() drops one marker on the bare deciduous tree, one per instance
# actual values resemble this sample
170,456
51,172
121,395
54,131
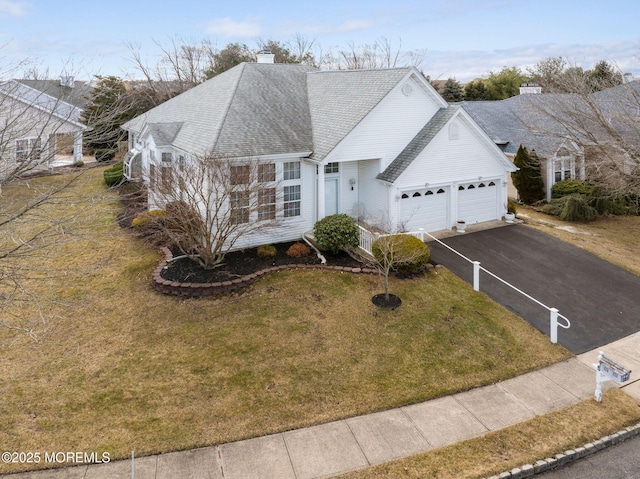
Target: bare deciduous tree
604,123
213,202
380,54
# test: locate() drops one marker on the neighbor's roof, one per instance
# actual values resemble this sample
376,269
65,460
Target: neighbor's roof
521,120
42,101
545,121
251,109
418,144
77,95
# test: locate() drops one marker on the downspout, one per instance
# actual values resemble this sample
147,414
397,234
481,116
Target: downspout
323,260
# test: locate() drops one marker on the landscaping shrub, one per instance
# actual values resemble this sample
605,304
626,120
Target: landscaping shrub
528,178
573,207
104,154
401,253
298,250
570,187
267,251
114,175
512,207
337,232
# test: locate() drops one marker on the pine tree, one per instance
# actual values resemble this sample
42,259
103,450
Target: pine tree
528,178
452,90
475,90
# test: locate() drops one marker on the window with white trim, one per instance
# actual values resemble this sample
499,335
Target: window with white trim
266,172
267,204
330,168
28,149
291,170
239,207
240,174
563,169
292,195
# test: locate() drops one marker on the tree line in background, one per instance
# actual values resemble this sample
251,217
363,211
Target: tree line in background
553,75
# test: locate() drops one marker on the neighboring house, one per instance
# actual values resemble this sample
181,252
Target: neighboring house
379,145
566,130
67,89
32,125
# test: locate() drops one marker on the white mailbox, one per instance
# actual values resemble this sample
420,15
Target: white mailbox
608,369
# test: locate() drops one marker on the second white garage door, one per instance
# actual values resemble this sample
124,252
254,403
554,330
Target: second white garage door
425,208
477,202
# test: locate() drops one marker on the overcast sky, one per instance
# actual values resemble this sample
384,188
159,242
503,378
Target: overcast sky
462,38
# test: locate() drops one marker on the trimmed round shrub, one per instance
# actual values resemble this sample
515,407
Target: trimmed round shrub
570,187
298,250
114,175
403,253
266,251
336,232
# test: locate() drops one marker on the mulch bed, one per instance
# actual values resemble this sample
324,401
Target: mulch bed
244,262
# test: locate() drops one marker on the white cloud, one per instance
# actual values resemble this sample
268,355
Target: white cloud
9,8
356,25
468,64
228,27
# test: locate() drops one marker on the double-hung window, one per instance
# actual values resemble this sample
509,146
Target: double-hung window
292,190
28,149
239,207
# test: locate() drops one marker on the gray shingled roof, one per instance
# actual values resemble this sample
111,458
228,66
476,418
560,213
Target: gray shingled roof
164,133
252,109
77,95
544,122
339,100
42,101
417,144
519,120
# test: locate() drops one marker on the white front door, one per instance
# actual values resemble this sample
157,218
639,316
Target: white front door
330,196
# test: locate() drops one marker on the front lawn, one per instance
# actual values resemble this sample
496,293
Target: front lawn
119,367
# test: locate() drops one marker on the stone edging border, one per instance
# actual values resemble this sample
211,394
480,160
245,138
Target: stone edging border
197,290
543,465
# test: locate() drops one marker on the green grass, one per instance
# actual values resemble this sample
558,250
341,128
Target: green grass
121,367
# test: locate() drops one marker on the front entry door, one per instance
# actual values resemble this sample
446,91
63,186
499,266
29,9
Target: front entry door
330,196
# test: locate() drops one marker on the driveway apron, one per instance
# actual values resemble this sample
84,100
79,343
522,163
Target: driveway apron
601,300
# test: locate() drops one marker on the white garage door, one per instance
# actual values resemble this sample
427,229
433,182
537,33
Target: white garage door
426,208
478,202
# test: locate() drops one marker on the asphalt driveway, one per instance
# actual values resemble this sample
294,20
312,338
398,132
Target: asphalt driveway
601,300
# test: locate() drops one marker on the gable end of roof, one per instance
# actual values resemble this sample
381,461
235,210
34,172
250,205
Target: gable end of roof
417,144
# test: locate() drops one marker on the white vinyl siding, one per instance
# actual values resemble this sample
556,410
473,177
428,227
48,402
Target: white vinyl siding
388,128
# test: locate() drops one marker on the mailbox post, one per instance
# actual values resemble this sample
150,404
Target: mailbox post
606,370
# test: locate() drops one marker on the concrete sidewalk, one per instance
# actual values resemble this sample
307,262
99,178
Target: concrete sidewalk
341,446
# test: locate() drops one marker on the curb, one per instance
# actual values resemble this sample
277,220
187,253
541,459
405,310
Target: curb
567,457
198,290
